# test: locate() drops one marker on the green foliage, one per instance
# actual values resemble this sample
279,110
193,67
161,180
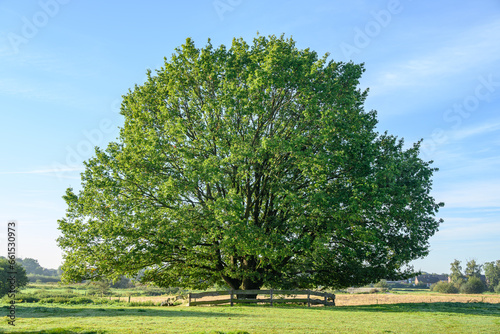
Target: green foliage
66,300
43,278
473,285
32,267
22,298
250,165
444,287
492,273
122,283
497,288
381,284
100,287
12,277
456,275
473,269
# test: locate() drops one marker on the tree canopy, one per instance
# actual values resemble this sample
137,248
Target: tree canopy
12,276
492,273
251,165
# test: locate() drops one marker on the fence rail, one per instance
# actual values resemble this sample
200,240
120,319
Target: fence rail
273,296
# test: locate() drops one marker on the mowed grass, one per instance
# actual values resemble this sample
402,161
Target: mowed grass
387,318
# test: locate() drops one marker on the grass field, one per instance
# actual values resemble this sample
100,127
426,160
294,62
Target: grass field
399,311
386,318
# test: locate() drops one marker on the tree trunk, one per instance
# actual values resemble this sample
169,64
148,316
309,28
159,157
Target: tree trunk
233,283
249,285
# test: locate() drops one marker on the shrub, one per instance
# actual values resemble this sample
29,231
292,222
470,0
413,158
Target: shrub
23,298
80,300
473,285
66,300
444,287
382,284
497,288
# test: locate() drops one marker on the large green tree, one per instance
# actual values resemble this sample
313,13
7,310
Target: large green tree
254,165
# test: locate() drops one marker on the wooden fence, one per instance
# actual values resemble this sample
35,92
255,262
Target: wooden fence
268,296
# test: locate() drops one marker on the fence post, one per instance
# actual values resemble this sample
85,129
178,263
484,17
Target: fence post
189,299
271,297
308,298
231,297
129,298
326,301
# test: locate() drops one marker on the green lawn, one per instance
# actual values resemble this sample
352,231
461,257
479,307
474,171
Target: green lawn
396,318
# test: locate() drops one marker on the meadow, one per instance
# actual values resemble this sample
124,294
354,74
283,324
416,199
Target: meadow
394,312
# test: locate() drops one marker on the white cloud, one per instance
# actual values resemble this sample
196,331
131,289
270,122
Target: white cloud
452,147
471,50
454,229
470,194
480,129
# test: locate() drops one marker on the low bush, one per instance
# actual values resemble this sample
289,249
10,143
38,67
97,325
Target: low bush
65,300
473,285
22,298
497,288
444,287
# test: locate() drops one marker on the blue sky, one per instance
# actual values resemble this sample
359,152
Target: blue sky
432,69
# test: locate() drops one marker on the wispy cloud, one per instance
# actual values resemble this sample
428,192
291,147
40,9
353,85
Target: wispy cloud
453,147
468,228
49,171
470,194
471,50
480,129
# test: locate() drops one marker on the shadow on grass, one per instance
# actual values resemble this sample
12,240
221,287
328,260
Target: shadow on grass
60,331
95,311
484,309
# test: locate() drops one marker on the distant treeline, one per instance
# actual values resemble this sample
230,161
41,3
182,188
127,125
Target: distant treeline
37,273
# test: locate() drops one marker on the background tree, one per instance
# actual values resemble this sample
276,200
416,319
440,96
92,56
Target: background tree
456,276
254,165
31,265
492,273
122,283
473,269
382,284
100,287
5,270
